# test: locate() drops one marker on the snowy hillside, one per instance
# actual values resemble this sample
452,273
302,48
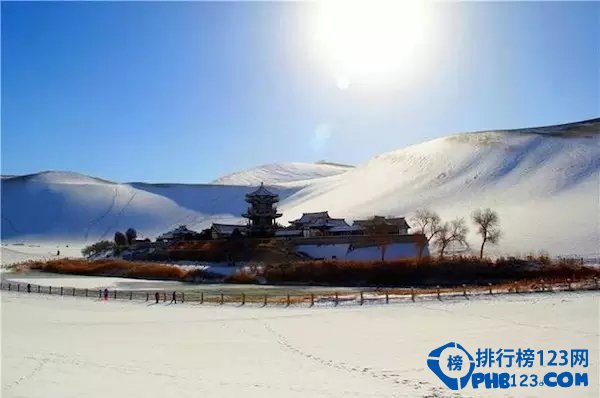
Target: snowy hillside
543,182
282,173
72,207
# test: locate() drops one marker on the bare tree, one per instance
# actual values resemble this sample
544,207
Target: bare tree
131,235
120,239
428,224
487,223
453,232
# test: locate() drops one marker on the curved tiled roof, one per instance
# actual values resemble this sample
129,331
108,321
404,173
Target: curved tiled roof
262,191
319,219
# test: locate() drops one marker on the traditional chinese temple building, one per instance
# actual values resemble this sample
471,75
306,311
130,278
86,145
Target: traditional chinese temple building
379,225
181,233
314,235
319,224
262,212
219,231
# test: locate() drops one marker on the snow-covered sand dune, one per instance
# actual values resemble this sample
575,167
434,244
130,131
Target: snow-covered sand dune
281,173
544,183
69,347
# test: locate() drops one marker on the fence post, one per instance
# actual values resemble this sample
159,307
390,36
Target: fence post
115,295
312,299
182,297
18,287
39,288
61,290
49,289
464,290
265,302
86,292
73,291
438,292
130,295
202,298
490,288
412,294
222,301
569,284
387,298
9,287
287,302
164,297
362,300
100,293
337,299
243,299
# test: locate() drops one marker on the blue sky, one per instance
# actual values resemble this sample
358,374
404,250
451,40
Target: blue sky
186,92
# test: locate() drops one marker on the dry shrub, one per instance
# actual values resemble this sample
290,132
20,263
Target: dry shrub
447,272
112,267
451,271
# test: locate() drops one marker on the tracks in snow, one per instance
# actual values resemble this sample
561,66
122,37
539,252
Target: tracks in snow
390,376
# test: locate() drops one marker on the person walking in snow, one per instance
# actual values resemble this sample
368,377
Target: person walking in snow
29,288
174,299
105,294
156,296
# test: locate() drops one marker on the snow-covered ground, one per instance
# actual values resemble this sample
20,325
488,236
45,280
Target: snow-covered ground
528,176
70,347
86,282
11,253
273,174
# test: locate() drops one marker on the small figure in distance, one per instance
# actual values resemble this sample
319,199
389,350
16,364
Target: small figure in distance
174,299
156,296
105,294
29,288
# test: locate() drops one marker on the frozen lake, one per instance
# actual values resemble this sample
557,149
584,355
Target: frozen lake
69,347
101,282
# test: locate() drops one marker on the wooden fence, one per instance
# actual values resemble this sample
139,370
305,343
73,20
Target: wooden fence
373,296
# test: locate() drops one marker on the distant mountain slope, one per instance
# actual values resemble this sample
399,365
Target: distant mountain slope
544,183
71,206
282,173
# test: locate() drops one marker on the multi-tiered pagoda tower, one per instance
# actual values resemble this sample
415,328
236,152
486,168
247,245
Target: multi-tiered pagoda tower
262,212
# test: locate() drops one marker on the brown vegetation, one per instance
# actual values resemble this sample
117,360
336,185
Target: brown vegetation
453,271
115,267
445,272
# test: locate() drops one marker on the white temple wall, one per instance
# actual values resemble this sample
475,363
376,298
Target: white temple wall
340,251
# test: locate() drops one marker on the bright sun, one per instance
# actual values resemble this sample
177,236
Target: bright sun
371,41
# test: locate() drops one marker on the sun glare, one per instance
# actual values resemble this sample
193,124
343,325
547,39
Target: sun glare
371,41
